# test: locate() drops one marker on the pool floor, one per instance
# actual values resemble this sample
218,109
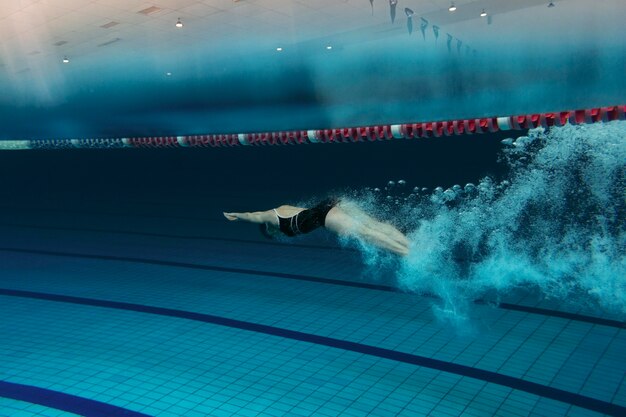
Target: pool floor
108,311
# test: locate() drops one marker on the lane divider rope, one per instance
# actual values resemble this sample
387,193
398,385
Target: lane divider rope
337,135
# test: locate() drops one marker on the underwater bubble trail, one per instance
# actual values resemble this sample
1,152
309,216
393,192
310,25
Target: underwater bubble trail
557,222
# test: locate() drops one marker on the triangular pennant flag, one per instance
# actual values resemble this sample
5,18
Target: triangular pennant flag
409,19
423,27
436,31
392,9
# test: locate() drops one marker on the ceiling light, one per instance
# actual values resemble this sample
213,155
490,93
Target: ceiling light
150,10
452,7
109,25
179,24
483,13
279,49
169,74
66,60
329,47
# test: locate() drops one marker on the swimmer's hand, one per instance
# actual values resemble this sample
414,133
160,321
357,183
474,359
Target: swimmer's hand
231,216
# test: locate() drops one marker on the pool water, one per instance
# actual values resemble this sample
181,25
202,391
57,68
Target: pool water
125,292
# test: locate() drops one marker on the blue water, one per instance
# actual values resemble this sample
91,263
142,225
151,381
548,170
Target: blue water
124,290
485,215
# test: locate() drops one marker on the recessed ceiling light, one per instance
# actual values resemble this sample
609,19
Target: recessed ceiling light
483,13
109,25
111,42
66,60
329,47
452,7
169,74
179,24
150,10
279,49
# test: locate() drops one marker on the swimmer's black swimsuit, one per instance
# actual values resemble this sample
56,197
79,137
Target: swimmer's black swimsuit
307,220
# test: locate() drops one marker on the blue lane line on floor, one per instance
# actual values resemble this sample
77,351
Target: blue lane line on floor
150,214
64,402
203,267
463,370
505,306
555,313
183,237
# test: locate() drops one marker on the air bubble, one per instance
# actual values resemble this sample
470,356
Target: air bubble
470,188
449,194
529,231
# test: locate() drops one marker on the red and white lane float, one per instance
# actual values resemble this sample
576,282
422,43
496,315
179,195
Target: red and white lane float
351,134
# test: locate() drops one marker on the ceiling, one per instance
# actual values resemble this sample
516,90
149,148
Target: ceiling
37,34
126,55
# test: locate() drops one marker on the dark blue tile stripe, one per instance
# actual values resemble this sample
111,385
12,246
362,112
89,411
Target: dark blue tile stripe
202,267
64,402
561,314
218,218
487,376
505,306
69,210
183,237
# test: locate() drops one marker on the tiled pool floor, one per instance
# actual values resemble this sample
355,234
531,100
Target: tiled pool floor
186,317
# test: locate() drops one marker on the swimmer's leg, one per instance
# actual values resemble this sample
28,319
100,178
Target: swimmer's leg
391,231
383,240
344,223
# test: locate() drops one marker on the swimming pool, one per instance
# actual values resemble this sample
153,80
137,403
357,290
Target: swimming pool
124,291
127,293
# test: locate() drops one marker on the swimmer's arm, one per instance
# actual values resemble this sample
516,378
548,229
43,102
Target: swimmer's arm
253,217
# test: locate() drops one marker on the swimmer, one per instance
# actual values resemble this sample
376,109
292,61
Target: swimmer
343,219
